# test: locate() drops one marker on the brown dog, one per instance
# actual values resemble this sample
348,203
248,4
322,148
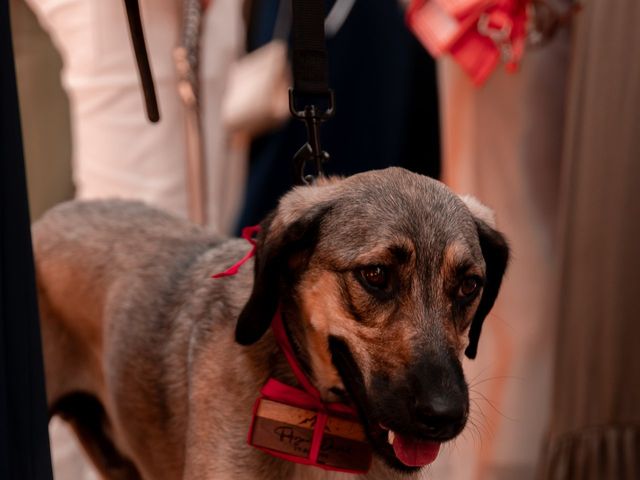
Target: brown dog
383,280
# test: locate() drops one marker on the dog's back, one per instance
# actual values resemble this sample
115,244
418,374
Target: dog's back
82,250
92,258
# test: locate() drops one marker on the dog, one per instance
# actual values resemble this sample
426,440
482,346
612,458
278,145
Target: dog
383,280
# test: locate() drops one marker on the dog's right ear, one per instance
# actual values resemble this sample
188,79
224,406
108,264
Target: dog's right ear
286,241
495,251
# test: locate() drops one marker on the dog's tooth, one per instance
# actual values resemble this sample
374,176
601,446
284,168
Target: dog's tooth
391,436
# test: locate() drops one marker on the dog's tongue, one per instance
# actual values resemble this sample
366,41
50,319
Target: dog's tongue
415,453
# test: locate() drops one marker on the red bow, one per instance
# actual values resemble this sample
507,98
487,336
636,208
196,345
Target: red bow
477,33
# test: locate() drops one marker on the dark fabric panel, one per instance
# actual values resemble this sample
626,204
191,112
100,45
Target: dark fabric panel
386,105
24,441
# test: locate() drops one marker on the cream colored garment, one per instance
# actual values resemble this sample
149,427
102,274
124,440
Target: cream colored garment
116,152
502,143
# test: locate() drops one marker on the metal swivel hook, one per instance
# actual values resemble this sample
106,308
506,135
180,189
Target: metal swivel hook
310,152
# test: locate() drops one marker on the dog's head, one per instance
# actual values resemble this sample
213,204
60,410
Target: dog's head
384,279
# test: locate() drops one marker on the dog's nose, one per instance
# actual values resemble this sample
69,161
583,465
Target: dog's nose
440,417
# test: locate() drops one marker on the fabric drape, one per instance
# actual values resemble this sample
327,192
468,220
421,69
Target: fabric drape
595,422
24,441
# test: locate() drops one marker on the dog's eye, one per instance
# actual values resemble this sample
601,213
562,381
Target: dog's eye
374,276
469,287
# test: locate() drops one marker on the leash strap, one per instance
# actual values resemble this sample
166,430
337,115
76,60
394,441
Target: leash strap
309,53
142,59
310,84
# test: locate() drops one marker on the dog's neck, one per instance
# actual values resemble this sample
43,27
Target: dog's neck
280,369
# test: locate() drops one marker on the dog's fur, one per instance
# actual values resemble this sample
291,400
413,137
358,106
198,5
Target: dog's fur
156,365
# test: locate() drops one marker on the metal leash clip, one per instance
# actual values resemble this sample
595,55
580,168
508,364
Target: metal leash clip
311,151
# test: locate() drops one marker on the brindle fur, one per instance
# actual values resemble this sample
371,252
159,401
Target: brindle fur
143,351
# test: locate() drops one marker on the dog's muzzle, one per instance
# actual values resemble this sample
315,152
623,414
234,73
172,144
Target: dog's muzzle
407,420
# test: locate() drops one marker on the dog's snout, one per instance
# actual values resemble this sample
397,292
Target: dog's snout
439,416
440,402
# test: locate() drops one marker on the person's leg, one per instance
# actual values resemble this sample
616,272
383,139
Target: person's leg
116,151
502,143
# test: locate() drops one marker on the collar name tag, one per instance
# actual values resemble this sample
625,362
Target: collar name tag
309,437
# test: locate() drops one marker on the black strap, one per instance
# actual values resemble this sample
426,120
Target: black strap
309,53
142,59
310,84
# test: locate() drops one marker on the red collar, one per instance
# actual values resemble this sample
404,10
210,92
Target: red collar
307,398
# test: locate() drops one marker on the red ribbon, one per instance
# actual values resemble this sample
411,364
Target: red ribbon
476,33
247,233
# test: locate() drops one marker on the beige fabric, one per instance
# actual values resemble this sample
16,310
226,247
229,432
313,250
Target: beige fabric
502,143
116,152
44,112
67,457
595,426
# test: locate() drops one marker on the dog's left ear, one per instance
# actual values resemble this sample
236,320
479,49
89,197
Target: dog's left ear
496,256
286,241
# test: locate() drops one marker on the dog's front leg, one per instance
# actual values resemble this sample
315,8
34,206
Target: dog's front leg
223,386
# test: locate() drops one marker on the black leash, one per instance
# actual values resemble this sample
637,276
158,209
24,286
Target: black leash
310,84
142,59
310,78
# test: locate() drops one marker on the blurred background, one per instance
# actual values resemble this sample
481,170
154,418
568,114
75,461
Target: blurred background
531,106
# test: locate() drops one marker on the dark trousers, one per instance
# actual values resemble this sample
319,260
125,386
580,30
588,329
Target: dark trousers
24,441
